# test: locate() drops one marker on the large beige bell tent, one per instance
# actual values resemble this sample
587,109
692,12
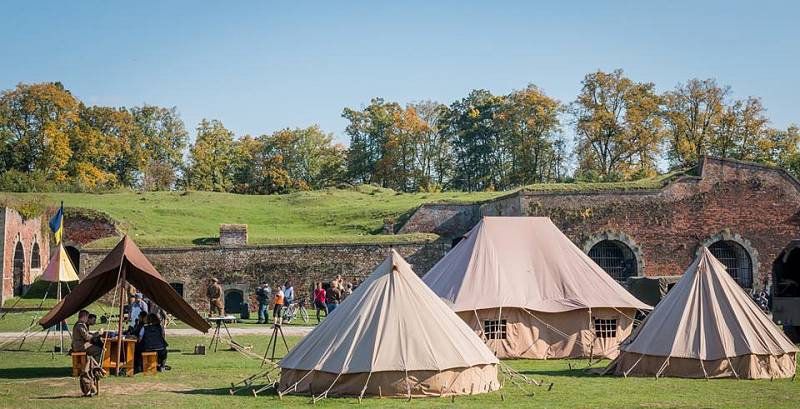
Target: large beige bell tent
529,292
392,337
707,327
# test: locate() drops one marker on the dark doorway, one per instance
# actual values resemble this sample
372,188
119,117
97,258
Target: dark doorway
75,257
616,258
178,287
736,259
18,274
233,301
786,272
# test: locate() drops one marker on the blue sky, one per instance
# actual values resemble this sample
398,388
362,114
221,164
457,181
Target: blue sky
259,67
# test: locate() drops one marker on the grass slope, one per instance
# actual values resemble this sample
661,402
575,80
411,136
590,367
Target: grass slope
30,380
326,216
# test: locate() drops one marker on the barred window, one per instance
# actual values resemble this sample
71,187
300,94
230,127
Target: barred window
494,329
605,328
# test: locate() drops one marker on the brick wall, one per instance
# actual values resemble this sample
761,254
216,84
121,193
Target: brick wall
756,205
15,230
243,268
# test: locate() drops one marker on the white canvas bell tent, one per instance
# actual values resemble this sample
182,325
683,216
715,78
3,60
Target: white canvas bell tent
707,327
392,337
529,292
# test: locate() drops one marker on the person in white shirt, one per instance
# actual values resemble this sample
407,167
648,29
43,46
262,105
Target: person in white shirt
137,306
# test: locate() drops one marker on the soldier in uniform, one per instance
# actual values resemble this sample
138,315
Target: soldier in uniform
214,294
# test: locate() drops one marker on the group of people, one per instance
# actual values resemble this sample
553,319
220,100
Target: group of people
327,296
146,327
282,297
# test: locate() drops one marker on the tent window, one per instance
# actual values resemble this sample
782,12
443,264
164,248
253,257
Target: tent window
616,258
178,287
736,260
36,260
495,329
605,328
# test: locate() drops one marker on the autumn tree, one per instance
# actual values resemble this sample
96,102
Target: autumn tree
693,112
433,151
211,158
161,146
618,127
36,124
530,120
309,156
481,158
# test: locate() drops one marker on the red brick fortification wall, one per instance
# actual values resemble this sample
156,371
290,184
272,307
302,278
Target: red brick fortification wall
753,205
27,231
82,226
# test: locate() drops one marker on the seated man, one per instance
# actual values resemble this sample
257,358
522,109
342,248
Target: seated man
82,338
152,337
96,336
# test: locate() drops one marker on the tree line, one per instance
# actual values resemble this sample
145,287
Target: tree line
623,130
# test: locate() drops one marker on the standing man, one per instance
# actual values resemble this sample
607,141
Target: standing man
276,311
263,295
137,306
214,294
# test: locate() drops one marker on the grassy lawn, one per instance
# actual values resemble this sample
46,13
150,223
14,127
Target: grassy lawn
31,379
353,215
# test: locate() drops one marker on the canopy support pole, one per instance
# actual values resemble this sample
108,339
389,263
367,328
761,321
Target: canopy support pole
663,367
121,286
625,374
733,369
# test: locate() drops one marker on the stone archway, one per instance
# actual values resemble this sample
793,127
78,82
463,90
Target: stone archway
74,255
233,301
617,253
738,255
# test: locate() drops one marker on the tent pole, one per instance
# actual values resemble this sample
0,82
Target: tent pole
119,320
60,329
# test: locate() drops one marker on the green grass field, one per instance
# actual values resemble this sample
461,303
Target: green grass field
353,215
32,379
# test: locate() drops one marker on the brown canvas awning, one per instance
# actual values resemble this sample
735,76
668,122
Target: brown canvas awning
125,259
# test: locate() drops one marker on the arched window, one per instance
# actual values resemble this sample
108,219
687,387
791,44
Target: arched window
18,274
736,259
616,258
36,259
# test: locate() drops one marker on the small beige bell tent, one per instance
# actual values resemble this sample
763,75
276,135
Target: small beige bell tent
391,337
529,292
707,327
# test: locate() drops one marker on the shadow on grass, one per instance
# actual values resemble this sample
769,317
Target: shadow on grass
575,372
34,372
206,241
226,391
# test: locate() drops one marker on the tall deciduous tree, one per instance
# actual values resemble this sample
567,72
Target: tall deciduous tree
162,144
308,155
618,127
531,120
36,124
211,158
481,158
693,112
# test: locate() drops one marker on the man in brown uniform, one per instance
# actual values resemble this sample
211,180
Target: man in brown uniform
214,294
82,338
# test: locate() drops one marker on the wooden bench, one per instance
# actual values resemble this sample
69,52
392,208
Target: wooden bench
78,362
149,363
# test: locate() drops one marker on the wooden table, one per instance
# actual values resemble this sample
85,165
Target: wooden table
110,355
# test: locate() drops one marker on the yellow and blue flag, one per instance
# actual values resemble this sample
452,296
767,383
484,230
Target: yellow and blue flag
57,224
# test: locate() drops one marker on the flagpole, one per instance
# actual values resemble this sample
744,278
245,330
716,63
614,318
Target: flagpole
60,328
